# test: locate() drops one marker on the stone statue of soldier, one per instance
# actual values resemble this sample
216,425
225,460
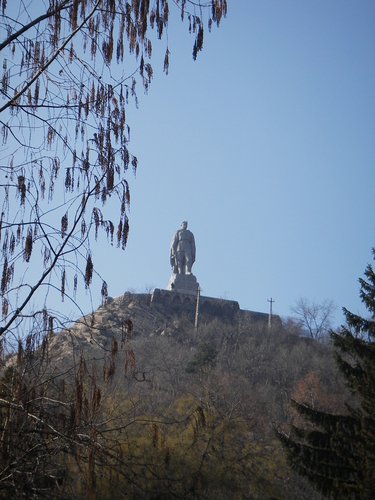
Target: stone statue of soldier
182,255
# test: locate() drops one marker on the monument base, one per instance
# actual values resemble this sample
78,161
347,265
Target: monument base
183,283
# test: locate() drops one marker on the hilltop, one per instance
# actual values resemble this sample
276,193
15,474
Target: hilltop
159,313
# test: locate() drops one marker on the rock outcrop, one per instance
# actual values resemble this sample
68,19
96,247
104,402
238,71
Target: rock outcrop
160,312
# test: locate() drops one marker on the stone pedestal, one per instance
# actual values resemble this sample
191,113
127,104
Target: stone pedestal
183,283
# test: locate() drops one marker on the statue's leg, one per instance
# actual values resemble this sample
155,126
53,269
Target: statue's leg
180,262
189,262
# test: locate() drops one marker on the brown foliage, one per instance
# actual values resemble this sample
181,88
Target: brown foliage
54,120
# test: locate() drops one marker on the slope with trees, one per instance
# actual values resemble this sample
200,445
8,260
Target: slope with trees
172,412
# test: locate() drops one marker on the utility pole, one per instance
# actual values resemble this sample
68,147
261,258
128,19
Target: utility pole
197,309
270,313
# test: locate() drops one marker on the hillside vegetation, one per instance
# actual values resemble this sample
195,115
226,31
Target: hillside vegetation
136,403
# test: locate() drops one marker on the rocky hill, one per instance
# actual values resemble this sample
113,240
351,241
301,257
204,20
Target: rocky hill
167,410
159,313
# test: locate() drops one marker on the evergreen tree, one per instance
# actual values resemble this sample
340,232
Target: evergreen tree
205,358
337,453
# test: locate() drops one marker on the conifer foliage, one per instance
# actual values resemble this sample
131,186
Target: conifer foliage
336,452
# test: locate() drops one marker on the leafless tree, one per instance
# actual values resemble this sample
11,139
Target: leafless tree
314,317
69,71
65,136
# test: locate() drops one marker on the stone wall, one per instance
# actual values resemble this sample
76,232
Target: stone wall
186,304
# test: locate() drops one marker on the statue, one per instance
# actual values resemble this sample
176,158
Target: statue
182,255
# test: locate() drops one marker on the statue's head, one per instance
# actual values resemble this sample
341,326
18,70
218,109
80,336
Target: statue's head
184,224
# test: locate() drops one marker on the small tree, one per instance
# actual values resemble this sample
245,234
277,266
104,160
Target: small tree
338,454
205,358
314,318
55,420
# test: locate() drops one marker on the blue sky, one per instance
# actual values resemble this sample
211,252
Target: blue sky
265,145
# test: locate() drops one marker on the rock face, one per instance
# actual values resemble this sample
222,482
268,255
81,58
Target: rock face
162,312
155,312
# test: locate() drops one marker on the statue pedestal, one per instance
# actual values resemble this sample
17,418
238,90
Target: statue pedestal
183,283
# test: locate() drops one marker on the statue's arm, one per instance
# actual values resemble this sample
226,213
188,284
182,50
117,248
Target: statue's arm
172,255
193,246
174,244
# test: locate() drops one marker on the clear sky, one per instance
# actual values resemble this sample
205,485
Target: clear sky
265,145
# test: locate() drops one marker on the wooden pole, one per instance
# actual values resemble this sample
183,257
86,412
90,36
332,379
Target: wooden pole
270,313
197,309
